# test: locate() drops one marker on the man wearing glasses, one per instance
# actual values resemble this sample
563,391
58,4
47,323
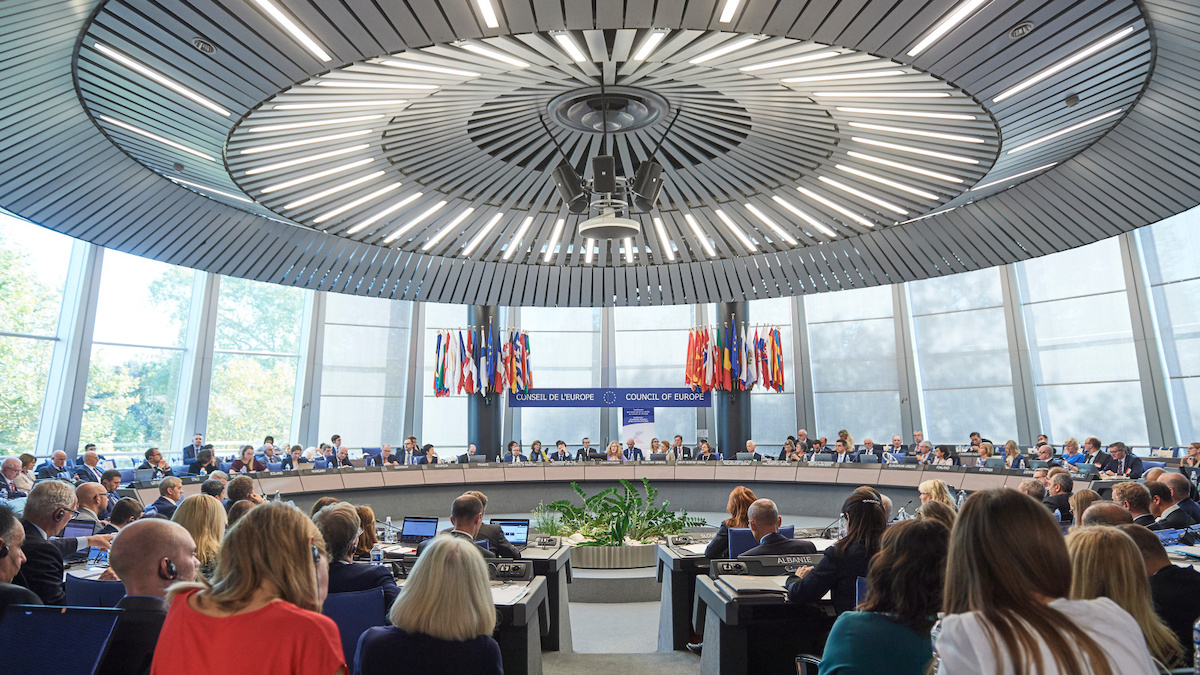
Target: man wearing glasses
48,509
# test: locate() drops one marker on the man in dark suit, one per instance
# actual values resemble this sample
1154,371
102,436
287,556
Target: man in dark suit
125,511
1181,493
110,480
1166,512
149,556
1174,589
89,471
339,526
752,448
90,501
897,447
12,537
841,452
384,458
678,450
1134,498
1058,495
47,510
170,491
465,458
560,454
10,468
585,450
633,452
1121,463
803,442
155,461
190,451
466,515
497,542
56,467
514,453
1092,454
764,520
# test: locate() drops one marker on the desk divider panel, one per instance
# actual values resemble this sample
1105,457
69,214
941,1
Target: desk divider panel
655,471
525,473
779,473
190,489
1013,481
147,495
565,472
614,471
817,472
850,474
982,481
286,482
737,470
901,476
952,475
488,472
322,480
444,474
696,470
362,477
400,475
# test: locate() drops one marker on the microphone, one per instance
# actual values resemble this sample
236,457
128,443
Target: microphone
825,530
903,509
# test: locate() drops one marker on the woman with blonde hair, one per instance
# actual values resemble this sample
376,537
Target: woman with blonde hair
935,490
368,538
1106,563
1012,456
1079,502
613,452
1191,459
272,570
740,499
985,453
204,518
442,622
1005,601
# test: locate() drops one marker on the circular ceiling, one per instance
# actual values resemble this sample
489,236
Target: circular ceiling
405,150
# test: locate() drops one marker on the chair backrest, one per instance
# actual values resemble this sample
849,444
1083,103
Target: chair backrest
860,589
740,541
994,462
372,452
180,469
225,466
788,531
319,464
1147,465
126,476
86,630
91,593
354,613
868,458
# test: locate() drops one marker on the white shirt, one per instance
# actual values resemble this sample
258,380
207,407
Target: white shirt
963,645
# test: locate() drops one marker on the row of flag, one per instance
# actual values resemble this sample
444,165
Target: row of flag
726,359
482,361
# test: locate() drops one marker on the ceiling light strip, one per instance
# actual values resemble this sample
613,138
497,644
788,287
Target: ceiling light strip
629,250
305,160
449,226
356,203
493,54
906,113
736,231
887,181
916,132
338,104
663,240
363,84
881,94
960,14
205,188
1065,63
779,231
863,75
1014,176
779,63
414,222
516,240
487,13
313,123
818,225
124,59
589,243
648,45
558,228
704,241
430,68
478,239
731,7
727,48
568,45
836,207
927,215
859,193
314,176
290,26
905,167
155,137
307,141
333,190
1063,132
384,213
916,151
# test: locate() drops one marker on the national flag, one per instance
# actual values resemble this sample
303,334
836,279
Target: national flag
485,376
528,368
453,373
705,361
464,370
689,360
735,359
777,364
752,371
437,354
726,373
472,370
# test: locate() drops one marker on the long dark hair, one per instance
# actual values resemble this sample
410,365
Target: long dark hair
866,520
906,575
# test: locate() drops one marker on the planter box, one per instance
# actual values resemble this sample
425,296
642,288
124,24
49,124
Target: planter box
613,557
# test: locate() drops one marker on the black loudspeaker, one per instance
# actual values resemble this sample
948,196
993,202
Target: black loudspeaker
647,183
604,174
570,187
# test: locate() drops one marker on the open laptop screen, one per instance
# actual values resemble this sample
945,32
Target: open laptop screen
515,531
79,528
418,528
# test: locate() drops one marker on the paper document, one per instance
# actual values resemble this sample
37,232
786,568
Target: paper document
695,549
508,595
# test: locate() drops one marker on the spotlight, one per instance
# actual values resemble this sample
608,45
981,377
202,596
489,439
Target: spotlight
570,187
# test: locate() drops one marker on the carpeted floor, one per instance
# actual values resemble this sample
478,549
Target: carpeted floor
676,663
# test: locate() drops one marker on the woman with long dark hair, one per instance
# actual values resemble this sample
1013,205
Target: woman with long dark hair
847,560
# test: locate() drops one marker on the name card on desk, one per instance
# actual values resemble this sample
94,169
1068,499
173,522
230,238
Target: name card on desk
823,465
984,469
439,467
400,467
737,462
902,467
359,469
278,474
945,468
693,462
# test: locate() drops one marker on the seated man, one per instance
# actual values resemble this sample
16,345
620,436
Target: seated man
1058,497
678,450
190,451
1181,493
213,488
1121,463
497,542
241,488
841,452
465,458
1134,498
466,515
1034,488
125,512
204,464
1105,513
48,508
897,448
869,446
12,536
1167,514
149,556
632,452
10,468
89,471
1045,453
339,525
155,461
764,522
924,452
170,491
385,457
56,468
1174,589
751,447
514,453
91,500
560,453
585,450
111,482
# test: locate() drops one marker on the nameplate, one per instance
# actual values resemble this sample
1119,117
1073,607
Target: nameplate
435,467
358,469
692,462
737,462
317,472
822,465
280,474
984,469
902,467
401,467
568,462
790,560
480,465
192,480
942,467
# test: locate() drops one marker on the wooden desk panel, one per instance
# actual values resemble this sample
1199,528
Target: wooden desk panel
362,477
447,474
287,485
852,474
901,477
613,471
816,474
738,472
525,474
776,473
655,472
567,472
322,480
403,476
484,473
703,471
982,481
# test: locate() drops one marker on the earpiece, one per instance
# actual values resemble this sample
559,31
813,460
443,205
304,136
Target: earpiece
59,513
3,551
316,553
168,571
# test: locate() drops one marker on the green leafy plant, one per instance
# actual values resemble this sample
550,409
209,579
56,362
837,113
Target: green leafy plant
613,515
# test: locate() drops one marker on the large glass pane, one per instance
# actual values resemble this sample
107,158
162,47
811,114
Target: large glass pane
651,350
1087,270
772,414
24,367
254,316
130,401
142,301
565,348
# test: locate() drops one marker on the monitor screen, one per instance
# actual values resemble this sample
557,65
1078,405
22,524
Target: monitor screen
515,531
484,544
143,474
416,528
88,627
79,528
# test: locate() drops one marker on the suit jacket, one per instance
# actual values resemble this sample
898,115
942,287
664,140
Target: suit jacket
1133,467
1100,461
838,572
455,533
198,469
132,642
673,453
634,455
848,457
777,544
1060,503
108,529
719,546
289,465
189,453
496,539
164,506
9,493
1146,520
162,473
347,577
377,460
85,474
428,460
556,456
51,471
12,594
521,458
582,455
712,457
1176,594
1190,507
1175,520
108,508
42,572
888,448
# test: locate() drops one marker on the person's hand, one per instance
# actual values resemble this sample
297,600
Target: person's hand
256,498
100,541
802,572
162,463
108,575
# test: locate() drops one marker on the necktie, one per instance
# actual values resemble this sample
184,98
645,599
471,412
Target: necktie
12,487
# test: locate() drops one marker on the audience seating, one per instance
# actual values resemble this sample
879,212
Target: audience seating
225,466
741,540
127,476
1147,465
354,613
91,593
860,589
319,464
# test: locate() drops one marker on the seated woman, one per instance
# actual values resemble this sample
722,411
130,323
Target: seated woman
205,464
443,621
246,463
986,450
935,490
847,560
535,452
705,452
937,512
204,518
1071,453
740,499
367,539
340,526
904,595
613,452
1012,456
1191,459
1006,608
272,572
942,456
790,453
294,460
1106,563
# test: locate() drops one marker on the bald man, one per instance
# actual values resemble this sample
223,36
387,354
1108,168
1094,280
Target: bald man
1105,513
90,471
93,499
56,468
9,469
148,557
764,521
1181,490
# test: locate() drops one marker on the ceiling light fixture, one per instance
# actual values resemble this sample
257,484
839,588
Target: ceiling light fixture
730,8
648,45
862,75
886,181
512,246
429,68
307,141
927,215
905,167
727,48
488,13
803,58
384,213
662,239
449,226
916,132
629,250
818,225
859,193
158,77
155,137
337,104
290,26
1064,64
779,231
356,203
704,241
956,17
589,243
907,113
305,160
1062,132
314,176
492,54
558,228
836,207
881,94
205,188
314,123
916,151
736,231
362,84
1014,176
568,45
333,190
413,223
491,223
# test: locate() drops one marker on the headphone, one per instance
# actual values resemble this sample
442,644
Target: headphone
171,572
316,553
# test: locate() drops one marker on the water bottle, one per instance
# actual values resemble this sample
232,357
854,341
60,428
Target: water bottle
902,515
389,534
962,497
842,526
377,554
277,497
1196,646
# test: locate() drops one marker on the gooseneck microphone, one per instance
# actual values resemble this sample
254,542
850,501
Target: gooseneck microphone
903,509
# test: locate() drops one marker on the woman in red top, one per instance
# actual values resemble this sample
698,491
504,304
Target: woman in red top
271,571
247,462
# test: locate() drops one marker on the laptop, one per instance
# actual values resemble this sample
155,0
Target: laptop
88,627
416,529
360,462
143,474
658,457
515,530
477,459
78,528
745,456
